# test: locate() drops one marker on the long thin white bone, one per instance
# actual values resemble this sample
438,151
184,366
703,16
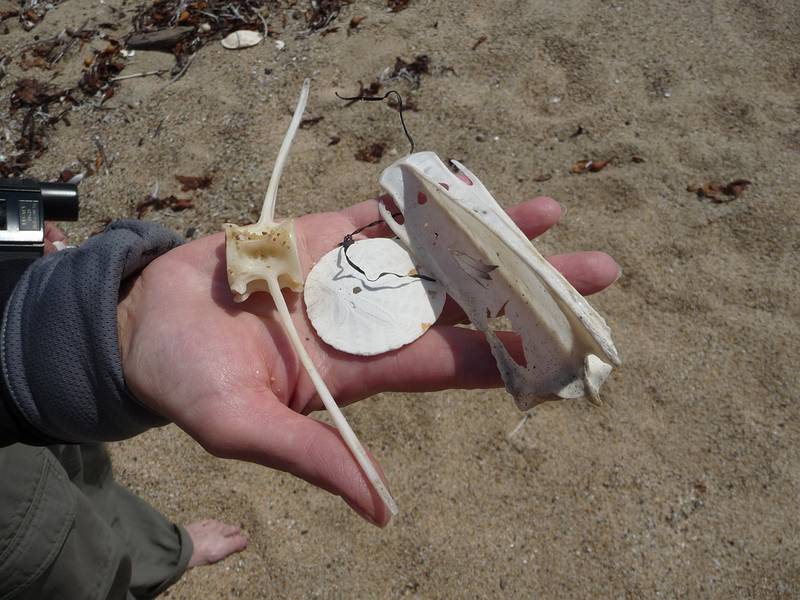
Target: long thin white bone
263,257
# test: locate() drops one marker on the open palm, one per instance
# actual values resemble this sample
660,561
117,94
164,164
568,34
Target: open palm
226,373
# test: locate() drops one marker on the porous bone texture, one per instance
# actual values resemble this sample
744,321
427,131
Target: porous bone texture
462,236
253,251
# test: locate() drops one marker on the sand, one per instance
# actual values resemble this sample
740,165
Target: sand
686,481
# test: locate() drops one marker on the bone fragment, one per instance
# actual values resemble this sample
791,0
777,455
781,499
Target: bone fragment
461,235
263,257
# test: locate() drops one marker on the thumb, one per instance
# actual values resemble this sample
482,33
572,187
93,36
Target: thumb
275,436
53,233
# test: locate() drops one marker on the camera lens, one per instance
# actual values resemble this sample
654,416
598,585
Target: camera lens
60,201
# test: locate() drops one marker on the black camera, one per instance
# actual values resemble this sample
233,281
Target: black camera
24,206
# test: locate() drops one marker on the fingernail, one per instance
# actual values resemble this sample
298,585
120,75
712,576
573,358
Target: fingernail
362,513
619,274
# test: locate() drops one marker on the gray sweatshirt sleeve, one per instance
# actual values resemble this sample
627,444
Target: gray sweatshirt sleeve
59,349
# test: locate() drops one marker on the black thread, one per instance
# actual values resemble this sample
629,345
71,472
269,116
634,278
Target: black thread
379,98
349,241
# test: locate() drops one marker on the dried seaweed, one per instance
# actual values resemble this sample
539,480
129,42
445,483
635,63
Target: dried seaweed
31,92
397,5
355,22
578,132
589,166
718,193
411,72
322,13
35,98
38,98
479,41
31,13
371,153
8,14
182,27
105,65
172,202
371,90
189,183
310,122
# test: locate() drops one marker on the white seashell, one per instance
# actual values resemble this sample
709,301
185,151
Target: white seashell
77,178
243,38
359,316
280,44
466,241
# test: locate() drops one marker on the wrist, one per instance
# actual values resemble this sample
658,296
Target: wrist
62,363
129,296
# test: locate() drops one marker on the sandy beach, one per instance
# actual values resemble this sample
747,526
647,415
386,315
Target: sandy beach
685,482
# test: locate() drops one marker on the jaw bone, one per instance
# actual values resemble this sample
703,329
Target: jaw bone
459,233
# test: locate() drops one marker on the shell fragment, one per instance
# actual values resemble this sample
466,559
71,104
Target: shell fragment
244,38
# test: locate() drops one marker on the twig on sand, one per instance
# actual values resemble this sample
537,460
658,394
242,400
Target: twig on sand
74,35
264,23
142,74
102,151
157,132
521,424
180,73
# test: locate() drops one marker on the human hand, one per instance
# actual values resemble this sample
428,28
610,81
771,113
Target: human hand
53,237
226,373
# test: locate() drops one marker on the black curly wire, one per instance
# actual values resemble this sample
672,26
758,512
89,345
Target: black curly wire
380,98
349,241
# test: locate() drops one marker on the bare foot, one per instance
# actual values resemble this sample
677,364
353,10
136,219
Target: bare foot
214,541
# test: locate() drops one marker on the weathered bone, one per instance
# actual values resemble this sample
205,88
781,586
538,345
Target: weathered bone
263,257
459,233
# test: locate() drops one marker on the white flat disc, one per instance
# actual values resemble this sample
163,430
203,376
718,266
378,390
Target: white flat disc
364,317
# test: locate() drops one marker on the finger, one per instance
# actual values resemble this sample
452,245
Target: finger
536,216
443,358
365,213
587,272
53,233
533,217
271,434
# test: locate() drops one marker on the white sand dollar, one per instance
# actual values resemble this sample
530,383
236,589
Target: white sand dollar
244,38
363,317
